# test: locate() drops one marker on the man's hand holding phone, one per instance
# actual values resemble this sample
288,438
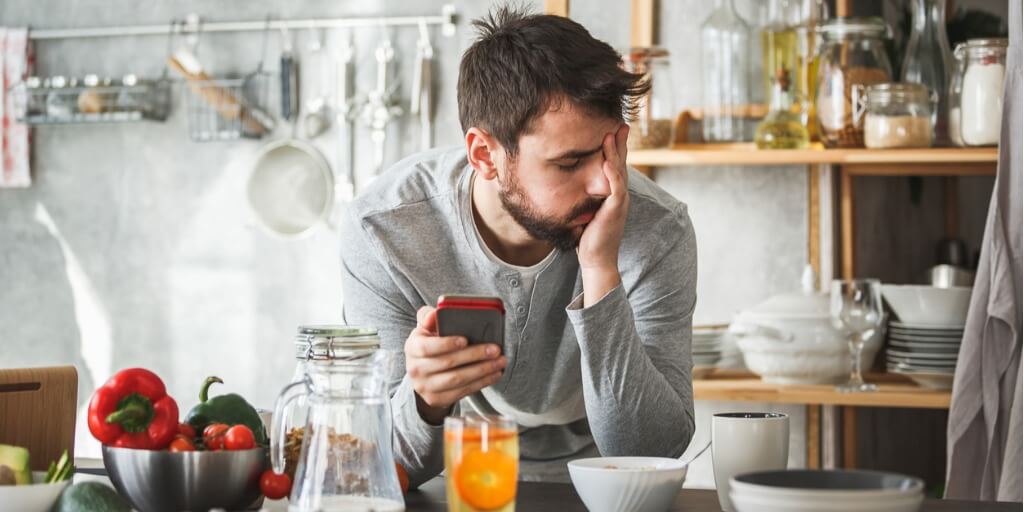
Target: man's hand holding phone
444,369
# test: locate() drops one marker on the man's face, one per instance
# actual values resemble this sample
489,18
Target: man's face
556,182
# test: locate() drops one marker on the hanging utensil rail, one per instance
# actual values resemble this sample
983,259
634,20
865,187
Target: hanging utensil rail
446,20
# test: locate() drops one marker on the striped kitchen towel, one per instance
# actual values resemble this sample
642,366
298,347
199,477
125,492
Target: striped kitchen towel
15,61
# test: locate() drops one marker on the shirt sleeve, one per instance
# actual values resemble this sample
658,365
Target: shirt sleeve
373,297
635,356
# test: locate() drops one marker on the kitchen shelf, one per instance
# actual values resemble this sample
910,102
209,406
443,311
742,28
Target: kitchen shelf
894,391
748,154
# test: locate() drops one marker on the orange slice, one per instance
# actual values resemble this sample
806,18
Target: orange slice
486,480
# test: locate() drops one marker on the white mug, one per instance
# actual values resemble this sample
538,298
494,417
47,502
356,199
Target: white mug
742,442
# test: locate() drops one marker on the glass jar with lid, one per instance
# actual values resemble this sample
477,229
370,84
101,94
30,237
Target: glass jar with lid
852,57
338,453
319,347
976,92
652,127
898,115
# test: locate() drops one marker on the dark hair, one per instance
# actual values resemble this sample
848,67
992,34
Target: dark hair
523,64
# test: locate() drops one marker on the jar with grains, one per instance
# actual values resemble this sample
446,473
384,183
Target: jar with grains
976,92
656,113
898,115
852,57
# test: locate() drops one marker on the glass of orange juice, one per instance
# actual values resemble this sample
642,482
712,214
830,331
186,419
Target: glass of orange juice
481,463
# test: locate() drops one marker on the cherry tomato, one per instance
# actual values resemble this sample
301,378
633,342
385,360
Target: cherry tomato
403,478
186,430
275,485
213,436
239,437
181,443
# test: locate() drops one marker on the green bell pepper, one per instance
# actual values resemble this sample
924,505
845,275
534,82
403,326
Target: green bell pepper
230,409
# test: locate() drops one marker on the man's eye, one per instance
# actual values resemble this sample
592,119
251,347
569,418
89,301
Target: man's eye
570,167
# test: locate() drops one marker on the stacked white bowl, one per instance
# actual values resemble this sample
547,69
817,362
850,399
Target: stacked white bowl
924,342
825,490
707,345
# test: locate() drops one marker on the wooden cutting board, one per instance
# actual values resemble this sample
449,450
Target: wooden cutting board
37,411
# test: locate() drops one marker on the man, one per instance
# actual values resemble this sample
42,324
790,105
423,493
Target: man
596,264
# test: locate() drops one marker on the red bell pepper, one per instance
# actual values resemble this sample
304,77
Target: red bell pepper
133,410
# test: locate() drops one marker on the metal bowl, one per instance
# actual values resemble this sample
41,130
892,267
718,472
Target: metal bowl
157,481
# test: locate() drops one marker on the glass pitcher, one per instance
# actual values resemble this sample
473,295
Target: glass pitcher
345,460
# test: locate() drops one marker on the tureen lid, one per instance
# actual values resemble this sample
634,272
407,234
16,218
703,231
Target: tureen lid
805,304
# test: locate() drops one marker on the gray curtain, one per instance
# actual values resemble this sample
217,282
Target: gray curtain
984,432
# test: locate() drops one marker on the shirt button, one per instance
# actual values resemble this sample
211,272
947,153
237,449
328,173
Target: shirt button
514,282
521,309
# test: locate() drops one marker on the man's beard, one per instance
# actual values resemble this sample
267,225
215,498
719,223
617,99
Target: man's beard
560,233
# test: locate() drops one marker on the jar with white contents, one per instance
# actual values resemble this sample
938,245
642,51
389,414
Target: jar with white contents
976,92
898,115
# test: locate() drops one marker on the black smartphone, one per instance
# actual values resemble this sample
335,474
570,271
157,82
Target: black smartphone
480,319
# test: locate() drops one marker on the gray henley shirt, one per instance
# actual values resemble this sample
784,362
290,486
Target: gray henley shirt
610,379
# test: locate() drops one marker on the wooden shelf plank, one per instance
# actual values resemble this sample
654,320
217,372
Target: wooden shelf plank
748,154
892,392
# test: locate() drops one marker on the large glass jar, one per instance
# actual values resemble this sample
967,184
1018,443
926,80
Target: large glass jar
898,115
927,60
789,42
852,57
657,110
976,92
725,65
321,345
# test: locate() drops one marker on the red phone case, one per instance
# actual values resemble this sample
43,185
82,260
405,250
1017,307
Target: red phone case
479,319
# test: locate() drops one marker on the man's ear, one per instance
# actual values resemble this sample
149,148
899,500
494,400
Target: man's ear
483,152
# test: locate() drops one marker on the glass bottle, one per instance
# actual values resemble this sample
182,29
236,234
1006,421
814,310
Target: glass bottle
656,115
782,128
725,48
928,61
812,13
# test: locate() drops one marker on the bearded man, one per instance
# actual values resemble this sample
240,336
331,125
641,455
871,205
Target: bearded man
596,264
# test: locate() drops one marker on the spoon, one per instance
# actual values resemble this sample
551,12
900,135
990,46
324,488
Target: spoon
701,452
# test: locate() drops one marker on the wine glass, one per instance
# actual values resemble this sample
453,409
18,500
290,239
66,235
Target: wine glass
856,309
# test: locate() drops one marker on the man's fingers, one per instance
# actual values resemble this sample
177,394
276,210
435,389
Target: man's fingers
455,379
471,354
432,346
426,317
454,395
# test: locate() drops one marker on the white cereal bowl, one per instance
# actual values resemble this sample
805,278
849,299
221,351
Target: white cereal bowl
927,305
37,497
627,484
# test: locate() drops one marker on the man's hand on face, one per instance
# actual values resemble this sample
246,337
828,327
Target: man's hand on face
443,370
598,249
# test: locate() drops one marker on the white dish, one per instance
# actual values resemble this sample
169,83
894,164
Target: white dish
930,380
905,325
744,503
937,357
928,305
909,367
37,497
934,348
816,490
627,484
926,339
926,332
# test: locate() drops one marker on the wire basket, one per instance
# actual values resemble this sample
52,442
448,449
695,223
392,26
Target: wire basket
228,108
59,100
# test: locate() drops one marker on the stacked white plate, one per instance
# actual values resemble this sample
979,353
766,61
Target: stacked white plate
707,345
797,490
925,353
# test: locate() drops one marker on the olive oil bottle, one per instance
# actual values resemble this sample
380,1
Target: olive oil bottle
783,127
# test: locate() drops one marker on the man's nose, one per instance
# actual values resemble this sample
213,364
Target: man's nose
597,184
